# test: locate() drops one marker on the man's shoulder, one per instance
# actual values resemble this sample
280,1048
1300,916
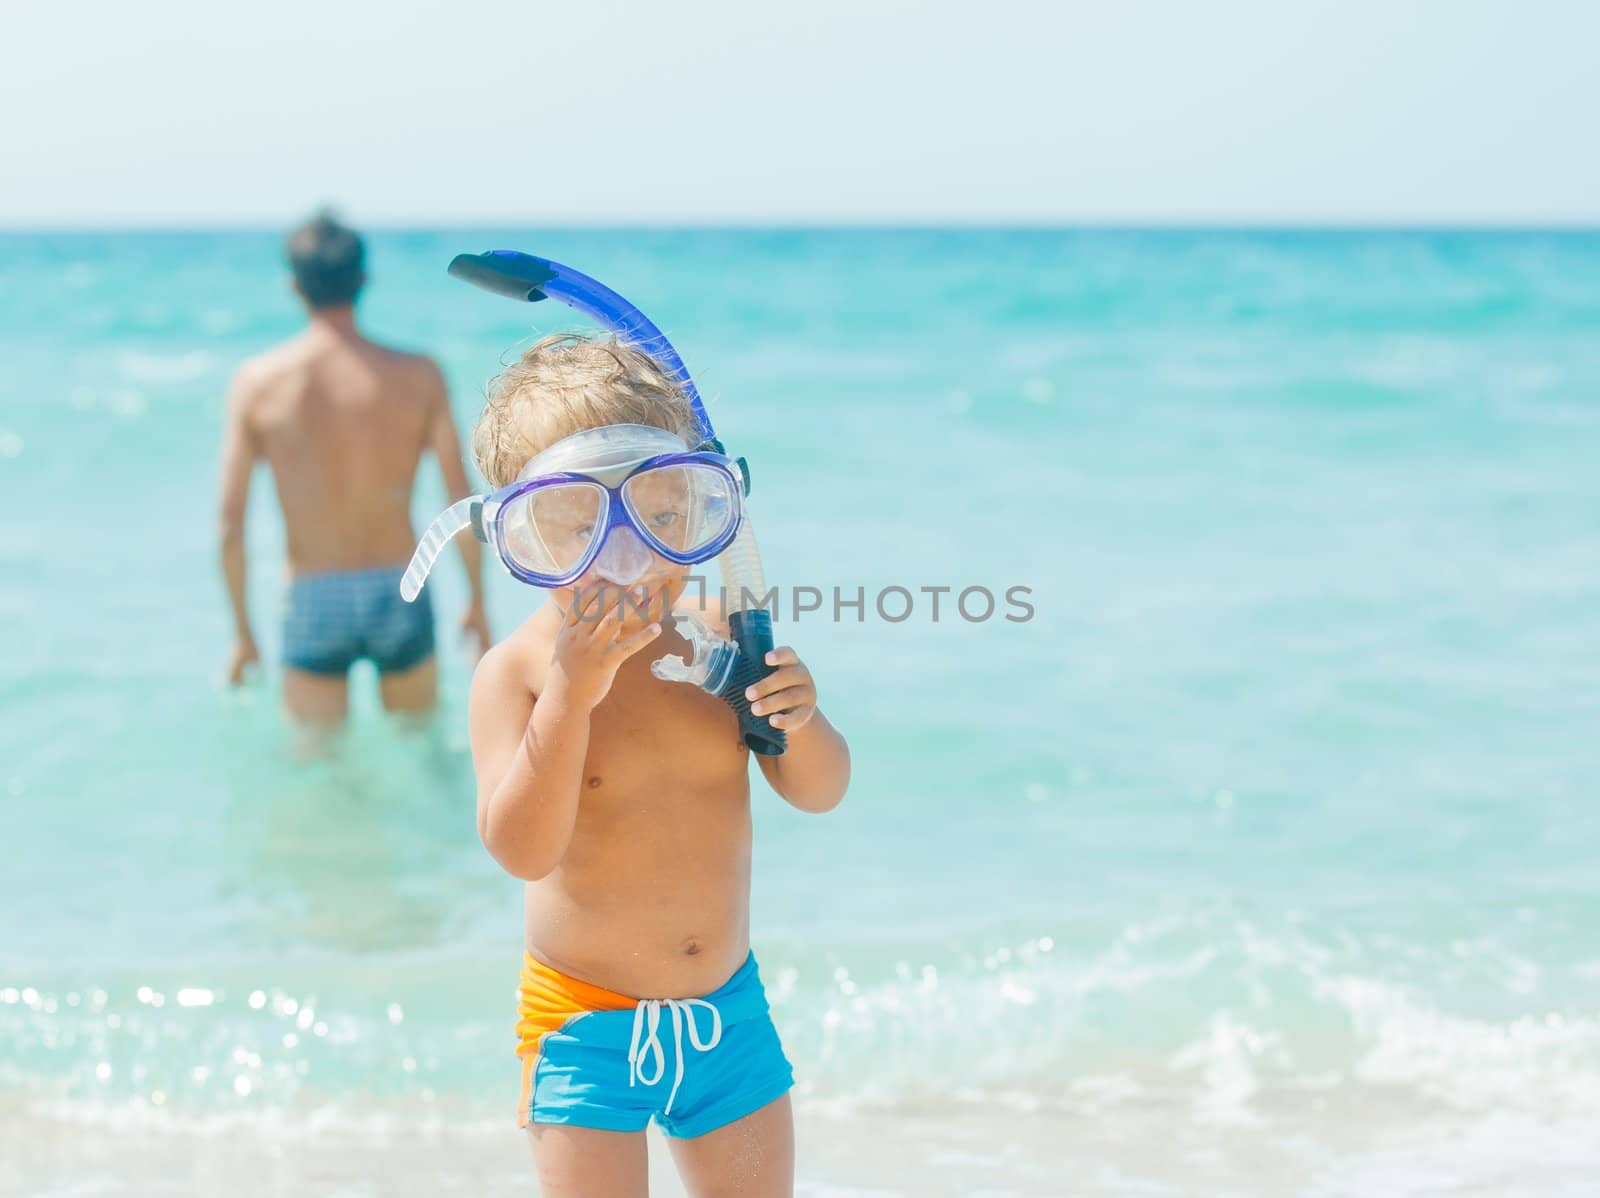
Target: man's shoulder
409,374
406,360
261,369
258,374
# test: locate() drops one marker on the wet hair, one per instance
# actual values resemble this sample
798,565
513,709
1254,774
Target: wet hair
328,261
565,383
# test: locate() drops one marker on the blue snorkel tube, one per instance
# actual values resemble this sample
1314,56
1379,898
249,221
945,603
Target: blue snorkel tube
724,668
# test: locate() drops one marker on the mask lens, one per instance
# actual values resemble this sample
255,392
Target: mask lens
683,508
548,531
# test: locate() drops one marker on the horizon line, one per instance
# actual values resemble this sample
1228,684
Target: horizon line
1086,225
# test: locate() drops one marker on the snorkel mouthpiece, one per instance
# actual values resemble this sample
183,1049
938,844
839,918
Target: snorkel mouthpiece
710,659
724,668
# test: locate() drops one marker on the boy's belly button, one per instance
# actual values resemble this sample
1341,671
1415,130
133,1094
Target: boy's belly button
692,947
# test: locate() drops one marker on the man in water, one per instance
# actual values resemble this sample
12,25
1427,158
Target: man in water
343,422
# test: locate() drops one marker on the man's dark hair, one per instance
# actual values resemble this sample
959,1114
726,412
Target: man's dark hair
328,261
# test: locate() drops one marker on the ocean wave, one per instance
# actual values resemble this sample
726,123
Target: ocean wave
1223,1020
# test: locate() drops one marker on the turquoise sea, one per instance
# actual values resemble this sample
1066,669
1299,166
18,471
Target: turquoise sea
1263,859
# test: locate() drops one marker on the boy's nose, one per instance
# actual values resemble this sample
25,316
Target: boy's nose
624,558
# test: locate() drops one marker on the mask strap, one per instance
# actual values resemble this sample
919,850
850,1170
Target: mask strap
465,513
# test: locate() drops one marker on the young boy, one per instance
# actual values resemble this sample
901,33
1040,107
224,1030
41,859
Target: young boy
624,802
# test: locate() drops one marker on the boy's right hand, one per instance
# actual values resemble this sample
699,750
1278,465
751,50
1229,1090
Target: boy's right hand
589,649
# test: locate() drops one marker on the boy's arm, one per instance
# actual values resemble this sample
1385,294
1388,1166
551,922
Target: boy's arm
446,446
528,750
239,454
528,753
814,771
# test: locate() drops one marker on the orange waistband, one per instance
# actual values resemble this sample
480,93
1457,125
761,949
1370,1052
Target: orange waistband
548,998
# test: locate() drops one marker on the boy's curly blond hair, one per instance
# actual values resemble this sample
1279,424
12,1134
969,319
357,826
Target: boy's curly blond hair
564,384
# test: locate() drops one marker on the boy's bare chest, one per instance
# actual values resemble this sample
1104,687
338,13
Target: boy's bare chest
654,735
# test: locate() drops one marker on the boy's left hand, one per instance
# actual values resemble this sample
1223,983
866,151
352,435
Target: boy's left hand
787,694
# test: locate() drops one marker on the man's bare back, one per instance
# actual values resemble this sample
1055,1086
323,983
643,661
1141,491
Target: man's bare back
343,423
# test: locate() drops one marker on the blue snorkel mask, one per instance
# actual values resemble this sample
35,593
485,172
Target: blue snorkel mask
616,498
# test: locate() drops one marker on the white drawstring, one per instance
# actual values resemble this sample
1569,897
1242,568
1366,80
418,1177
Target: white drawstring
647,1018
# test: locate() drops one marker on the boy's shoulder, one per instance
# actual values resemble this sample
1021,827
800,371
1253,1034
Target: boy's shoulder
522,658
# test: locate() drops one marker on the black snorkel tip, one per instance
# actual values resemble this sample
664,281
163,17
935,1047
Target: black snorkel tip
510,273
752,631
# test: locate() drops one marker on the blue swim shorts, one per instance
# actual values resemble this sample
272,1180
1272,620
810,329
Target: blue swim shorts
336,619
595,1058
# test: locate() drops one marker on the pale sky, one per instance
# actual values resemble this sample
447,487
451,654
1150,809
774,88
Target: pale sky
821,112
